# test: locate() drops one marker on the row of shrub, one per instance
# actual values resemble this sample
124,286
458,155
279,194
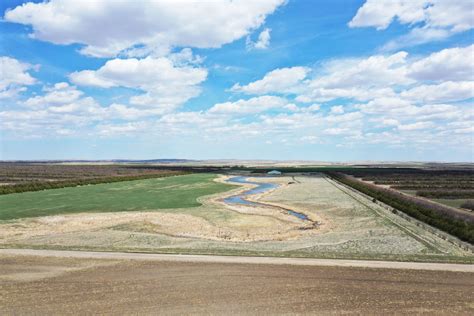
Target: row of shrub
469,204
415,177
424,180
459,224
38,186
410,172
446,194
433,186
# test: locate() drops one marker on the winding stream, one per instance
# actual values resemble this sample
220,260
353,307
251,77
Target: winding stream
260,188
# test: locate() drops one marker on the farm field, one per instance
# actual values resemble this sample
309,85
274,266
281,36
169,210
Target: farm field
46,285
138,195
342,224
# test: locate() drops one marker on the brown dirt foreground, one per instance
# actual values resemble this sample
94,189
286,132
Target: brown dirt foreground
53,285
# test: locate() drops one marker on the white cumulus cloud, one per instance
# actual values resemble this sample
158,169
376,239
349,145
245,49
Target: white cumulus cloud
109,27
164,84
14,76
415,126
60,93
250,106
454,64
262,42
443,92
279,80
429,19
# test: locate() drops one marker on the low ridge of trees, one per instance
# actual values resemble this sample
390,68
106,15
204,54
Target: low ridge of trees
459,224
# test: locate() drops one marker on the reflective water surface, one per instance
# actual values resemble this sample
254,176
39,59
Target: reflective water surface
260,188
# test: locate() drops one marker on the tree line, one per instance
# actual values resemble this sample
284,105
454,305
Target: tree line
469,204
446,194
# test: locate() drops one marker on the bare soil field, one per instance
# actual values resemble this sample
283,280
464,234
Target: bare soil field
59,286
350,228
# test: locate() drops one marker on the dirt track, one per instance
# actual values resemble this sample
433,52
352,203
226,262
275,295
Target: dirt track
118,286
240,259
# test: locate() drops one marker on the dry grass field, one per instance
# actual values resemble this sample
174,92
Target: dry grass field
60,286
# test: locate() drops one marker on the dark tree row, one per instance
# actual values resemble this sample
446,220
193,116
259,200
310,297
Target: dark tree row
409,179
433,186
459,224
446,194
420,178
38,186
468,205
409,172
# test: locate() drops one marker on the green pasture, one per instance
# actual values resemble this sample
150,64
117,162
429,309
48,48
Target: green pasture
138,195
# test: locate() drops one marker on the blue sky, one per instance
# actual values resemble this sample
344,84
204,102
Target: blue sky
271,79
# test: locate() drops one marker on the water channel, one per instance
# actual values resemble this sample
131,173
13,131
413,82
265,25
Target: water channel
261,187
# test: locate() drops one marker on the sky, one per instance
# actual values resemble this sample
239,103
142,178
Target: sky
326,80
